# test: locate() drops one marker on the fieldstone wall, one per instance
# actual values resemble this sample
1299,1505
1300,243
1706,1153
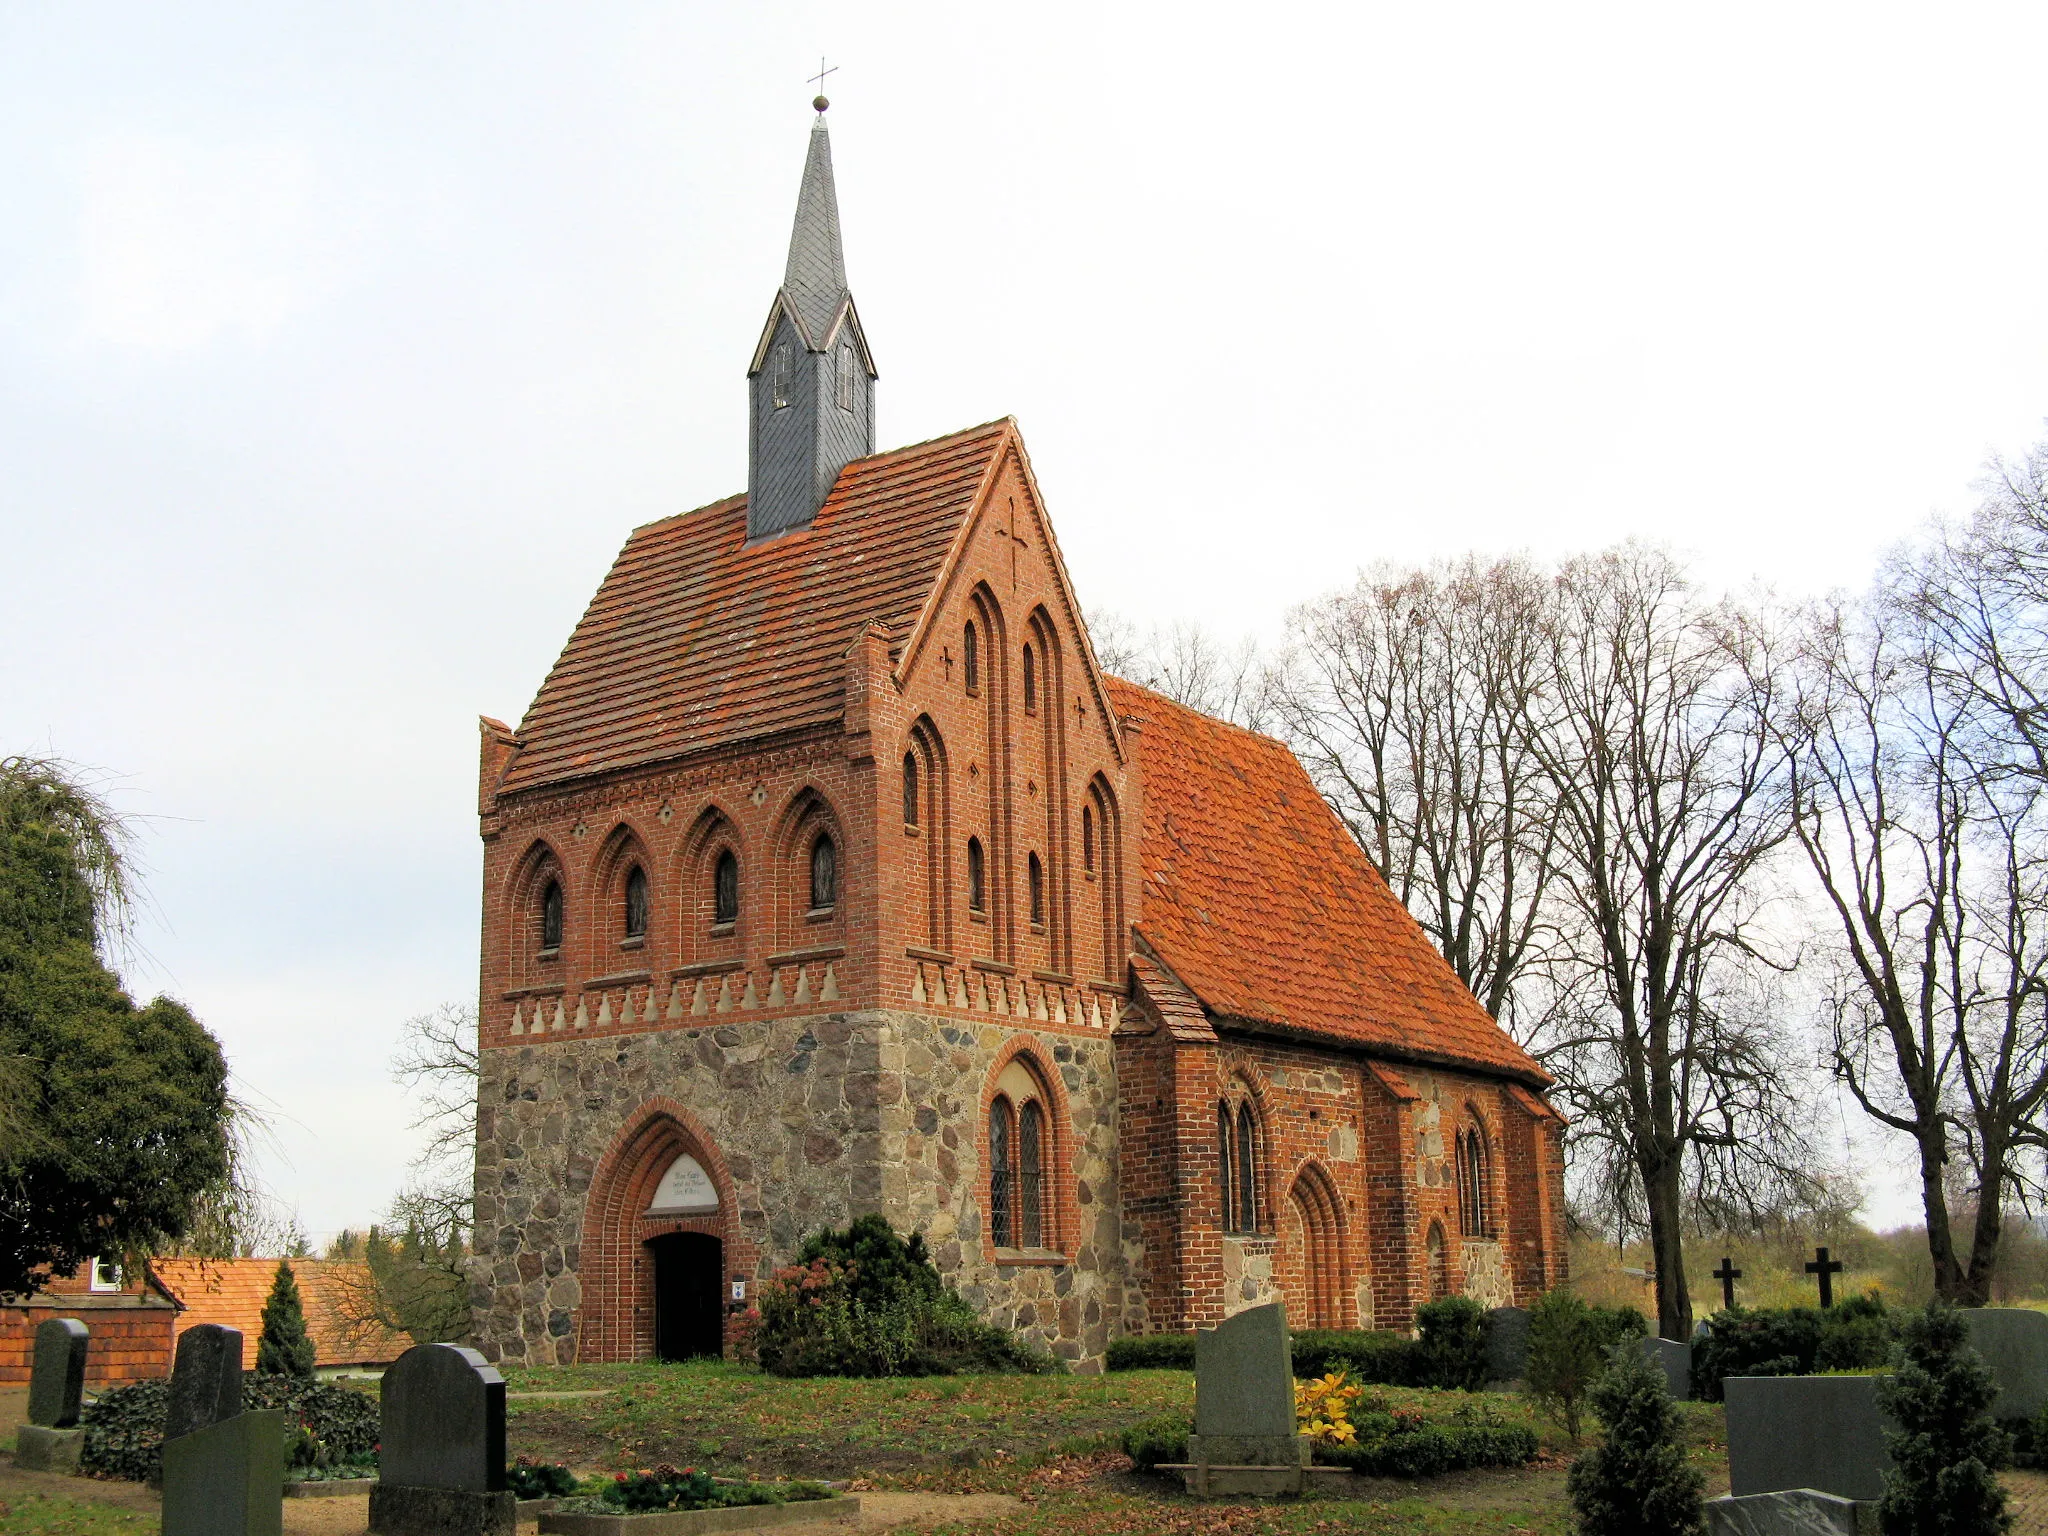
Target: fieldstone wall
810,1121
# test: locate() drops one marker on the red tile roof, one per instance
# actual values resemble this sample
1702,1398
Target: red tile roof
1257,899
695,640
231,1292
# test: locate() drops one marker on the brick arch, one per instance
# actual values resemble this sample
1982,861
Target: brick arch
1106,879
1062,1209
523,888
691,869
995,936
620,850
804,816
1312,1260
934,857
615,1318
1240,1079
1471,1126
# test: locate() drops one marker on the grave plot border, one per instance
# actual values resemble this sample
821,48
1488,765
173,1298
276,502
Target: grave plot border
700,1522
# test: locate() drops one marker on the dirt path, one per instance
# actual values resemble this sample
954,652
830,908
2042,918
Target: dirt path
351,1516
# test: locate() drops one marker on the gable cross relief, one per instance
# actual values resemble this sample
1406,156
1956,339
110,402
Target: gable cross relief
946,656
1009,536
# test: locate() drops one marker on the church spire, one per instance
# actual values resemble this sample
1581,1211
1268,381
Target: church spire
812,381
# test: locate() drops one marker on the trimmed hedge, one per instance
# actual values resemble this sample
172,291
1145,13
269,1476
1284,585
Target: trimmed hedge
124,1428
1450,1353
1389,1444
1854,1335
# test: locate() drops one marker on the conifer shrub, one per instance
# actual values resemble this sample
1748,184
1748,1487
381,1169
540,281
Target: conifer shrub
1567,1355
866,1302
285,1348
1453,1352
1946,1450
1637,1482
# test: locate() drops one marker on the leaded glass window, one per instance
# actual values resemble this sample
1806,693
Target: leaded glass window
1031,1176
910,789
1036,871
824,874
976,892
551,917
1226,1157
1247,1170
636,903
725,889
1001,1227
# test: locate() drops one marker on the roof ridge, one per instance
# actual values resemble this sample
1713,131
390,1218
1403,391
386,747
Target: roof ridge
1201,714
738,499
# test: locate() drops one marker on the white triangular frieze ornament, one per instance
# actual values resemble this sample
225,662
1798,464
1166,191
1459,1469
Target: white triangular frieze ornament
960,991
803,985
1059,1005
1116,1011
750,1000
1002,996
518,1019
1040,1012
829,992
604,1009
775,997
724,1003
582,1019
675,999
698,1006
917,991
1094,1011
561,1016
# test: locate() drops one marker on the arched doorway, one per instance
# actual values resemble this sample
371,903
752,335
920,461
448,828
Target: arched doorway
660,1243
689,1313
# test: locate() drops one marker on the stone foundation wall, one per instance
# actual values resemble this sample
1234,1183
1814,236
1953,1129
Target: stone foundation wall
803,1122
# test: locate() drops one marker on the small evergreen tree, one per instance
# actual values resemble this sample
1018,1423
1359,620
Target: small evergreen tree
285,1348
1946,1449
1637,1482
1565,1357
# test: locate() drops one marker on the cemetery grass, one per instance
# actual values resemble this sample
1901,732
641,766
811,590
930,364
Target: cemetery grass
951,1434
43,1514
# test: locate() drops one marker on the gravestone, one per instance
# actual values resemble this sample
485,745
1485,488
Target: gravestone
441,1461
1245,1440
1674,1360
1507,1343
1819,1432
51,1441
1795,1512
227,1478
223,1469
206,1379
2013,1341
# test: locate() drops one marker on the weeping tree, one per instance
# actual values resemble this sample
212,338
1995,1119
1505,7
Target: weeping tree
117,1134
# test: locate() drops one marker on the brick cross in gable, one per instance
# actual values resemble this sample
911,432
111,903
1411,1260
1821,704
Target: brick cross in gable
1016,543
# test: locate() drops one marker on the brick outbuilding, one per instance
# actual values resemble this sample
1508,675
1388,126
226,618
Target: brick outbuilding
828,873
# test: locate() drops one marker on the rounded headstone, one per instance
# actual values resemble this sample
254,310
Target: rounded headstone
206,1379
56,1382
443,1421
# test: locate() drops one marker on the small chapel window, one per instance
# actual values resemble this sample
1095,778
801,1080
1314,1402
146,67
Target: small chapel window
1247,1170
1471,1165
1030,681
1088,838
1031,1176
977,895
824,875
1036,872
778,375
910,789
1226,1160
1001,1200
846,366
551,918
725,889
970,659
636,903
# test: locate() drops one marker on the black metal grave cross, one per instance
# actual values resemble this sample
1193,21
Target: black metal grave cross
1727,1274
1826,1268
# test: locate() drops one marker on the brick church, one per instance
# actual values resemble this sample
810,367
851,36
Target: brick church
829,874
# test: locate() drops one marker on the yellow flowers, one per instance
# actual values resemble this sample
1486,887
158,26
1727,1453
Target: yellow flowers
1322,1409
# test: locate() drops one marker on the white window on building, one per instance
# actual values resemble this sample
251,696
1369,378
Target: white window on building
106,1275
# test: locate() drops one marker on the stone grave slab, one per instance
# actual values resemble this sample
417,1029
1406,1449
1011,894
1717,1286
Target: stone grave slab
1245,1439
227,1478
1795,1512
1818,1432
2013,1341
1674,1360
1507,1343
51,1440
206,1379
441,1461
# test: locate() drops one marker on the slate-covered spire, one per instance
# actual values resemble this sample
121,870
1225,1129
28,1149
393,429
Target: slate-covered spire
812,382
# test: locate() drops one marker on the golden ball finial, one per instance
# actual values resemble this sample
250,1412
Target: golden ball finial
820,103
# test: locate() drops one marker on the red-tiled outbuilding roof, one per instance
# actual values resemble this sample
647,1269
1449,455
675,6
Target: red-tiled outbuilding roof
695,639
1257,899
232,1292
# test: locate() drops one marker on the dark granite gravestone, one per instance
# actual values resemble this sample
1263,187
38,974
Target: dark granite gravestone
206,1379
1821,1432
1674,1360
2013,1341
1507,1343
51,1441
441,1463
226,1478
1795,1512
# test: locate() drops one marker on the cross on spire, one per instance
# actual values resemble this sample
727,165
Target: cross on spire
819,81
1727,1274
1826,1268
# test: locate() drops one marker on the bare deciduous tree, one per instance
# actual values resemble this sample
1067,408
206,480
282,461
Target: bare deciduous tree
1188,664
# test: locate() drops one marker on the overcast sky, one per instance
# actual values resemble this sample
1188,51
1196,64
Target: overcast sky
341,345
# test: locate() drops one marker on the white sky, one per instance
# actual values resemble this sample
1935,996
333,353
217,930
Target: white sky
341,345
